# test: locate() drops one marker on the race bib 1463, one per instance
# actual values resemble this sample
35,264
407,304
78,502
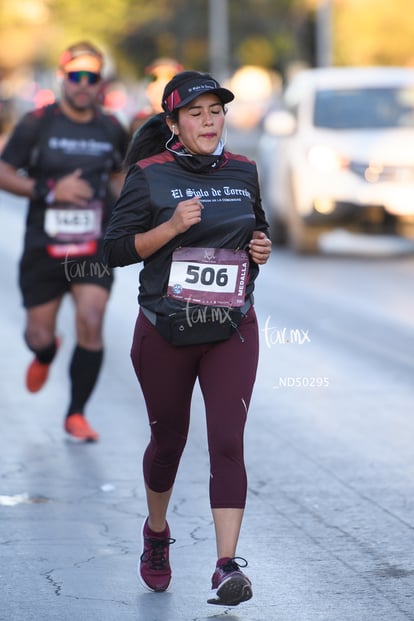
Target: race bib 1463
70,223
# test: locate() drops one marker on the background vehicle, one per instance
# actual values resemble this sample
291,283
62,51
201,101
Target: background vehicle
340,154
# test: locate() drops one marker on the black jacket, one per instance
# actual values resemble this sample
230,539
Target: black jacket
229,191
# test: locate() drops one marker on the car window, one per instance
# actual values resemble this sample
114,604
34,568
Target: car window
367,108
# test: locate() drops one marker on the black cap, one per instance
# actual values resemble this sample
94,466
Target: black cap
187,85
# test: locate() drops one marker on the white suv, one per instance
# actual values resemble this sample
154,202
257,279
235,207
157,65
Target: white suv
340,154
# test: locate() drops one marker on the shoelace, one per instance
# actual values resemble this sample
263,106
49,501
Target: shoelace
232,564
156,554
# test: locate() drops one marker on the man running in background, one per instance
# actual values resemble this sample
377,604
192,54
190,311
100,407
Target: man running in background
71,153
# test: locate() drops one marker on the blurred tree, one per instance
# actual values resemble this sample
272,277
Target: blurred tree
134,32
22,30
374,32
106,23
271,33
263,32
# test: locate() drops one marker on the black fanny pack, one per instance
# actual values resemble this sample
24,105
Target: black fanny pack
196,325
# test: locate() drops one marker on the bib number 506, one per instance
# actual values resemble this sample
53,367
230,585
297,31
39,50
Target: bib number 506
207,275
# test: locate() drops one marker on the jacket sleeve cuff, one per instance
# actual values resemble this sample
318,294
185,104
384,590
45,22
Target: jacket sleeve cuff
121,252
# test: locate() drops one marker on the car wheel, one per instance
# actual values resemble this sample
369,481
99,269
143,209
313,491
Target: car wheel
302,238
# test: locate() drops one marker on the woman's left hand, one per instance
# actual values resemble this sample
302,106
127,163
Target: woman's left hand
260,247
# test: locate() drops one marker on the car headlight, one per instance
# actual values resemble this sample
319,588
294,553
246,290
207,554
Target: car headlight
325,159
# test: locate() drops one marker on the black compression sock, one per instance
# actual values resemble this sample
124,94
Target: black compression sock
84,370
45,355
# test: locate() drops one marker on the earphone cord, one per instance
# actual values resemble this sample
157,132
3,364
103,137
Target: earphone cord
218,150
167,146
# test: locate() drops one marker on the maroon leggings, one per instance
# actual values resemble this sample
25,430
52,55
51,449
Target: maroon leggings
226,373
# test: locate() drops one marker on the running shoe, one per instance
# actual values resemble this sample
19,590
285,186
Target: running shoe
78,427
37,373
231,585
154,569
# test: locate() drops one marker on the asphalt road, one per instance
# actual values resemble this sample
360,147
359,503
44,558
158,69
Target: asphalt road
329,525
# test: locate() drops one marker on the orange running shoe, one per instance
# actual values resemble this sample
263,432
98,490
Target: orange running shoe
37,373
78,427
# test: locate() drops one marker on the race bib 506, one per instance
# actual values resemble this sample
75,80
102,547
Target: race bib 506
209,276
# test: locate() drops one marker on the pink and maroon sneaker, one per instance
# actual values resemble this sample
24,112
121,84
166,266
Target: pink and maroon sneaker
231,585
154,568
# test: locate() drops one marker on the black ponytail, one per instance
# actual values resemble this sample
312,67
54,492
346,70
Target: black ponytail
148,140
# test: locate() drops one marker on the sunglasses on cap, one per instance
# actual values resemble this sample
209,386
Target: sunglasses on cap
77,76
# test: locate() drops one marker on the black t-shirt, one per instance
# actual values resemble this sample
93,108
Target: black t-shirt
47,145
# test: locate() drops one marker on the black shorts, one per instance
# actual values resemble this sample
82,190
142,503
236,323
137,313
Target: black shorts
43,278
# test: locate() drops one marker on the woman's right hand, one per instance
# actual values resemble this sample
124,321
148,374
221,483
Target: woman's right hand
186,214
